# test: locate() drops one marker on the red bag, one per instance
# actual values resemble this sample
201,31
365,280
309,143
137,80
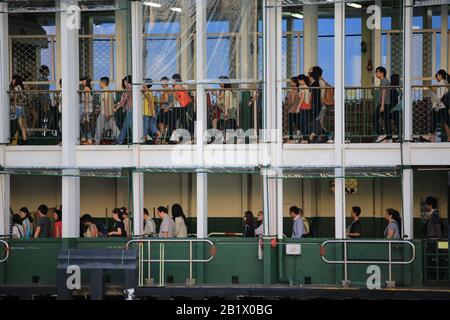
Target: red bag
183,98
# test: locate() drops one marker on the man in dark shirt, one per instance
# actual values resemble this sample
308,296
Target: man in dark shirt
432,219
43,225
354,229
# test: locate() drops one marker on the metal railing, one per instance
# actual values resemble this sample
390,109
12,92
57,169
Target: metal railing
364,121
35,116
347,262
311,122
5,251
430,124
99,122
162,258
235,112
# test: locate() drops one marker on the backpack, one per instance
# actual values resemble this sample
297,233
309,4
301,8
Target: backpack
328,97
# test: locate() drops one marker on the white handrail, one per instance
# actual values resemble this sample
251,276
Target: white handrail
346,262
162,259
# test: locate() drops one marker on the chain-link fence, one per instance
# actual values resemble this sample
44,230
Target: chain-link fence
29,55
97,56
425,57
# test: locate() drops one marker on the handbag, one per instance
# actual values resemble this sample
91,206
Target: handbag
328,98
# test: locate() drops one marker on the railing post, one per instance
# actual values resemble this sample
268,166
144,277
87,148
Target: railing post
70,117
390,283
339,128
190,281
4,75
346,283
4,117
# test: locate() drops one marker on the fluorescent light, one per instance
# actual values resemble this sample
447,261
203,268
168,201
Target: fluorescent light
297,15
354,5
152,4
176,9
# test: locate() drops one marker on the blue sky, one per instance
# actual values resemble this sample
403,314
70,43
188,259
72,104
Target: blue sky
162,54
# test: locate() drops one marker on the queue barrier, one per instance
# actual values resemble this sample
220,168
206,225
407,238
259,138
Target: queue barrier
162,260
346,261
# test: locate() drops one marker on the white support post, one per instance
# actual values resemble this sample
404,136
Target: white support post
202,205
272,118
4,74
138,203
246,16
407,69
444,37
408,203
4,117
70,119
310,36
137,66
4,204
121,43
339,80
200,126
377,37
58,49
184,47
137,75
408,174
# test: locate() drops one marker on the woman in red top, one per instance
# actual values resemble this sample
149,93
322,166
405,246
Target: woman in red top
57,228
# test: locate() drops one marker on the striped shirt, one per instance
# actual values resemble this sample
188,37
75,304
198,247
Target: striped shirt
126,101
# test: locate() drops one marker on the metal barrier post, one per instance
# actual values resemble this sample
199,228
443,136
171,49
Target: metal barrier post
162,260
161,264
149,281
190,281
345,283
390,283
141,264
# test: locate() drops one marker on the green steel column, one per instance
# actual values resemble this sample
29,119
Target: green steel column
269,262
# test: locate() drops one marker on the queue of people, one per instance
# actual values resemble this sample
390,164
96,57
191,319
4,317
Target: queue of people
305,106
122,226
24,226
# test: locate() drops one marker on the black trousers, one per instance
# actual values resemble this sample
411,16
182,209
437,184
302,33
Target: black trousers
386,117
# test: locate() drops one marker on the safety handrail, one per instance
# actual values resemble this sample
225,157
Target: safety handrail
5,250
162,259
226,234
346,262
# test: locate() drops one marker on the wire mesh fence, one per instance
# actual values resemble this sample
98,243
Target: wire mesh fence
35,117
97,56
33,58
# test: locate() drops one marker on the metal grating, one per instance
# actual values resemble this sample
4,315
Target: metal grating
28,53
97,56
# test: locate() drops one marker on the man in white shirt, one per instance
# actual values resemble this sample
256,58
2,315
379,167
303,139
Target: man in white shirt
149,225
167,228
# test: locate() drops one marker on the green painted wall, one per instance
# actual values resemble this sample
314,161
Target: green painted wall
236,257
